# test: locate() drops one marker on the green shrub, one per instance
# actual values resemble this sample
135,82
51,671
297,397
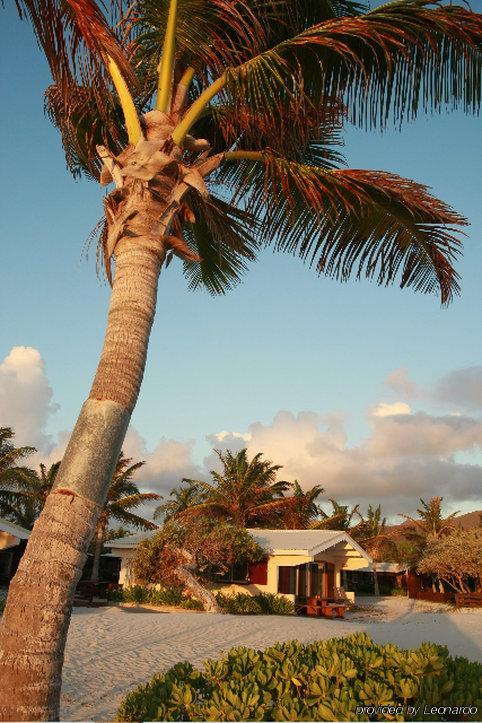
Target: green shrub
263,604
191,603
319,681
398,592
165,596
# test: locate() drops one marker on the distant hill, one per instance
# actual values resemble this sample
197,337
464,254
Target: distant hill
467,521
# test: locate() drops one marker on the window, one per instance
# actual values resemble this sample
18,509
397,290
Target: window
286,580
235,573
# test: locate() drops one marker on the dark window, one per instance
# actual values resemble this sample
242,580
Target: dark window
235,573
258,573
286,580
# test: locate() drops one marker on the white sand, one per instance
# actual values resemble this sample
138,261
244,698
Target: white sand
111,650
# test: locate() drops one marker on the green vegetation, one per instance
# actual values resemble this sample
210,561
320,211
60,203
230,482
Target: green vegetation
151,596
239,604
263,604
324,681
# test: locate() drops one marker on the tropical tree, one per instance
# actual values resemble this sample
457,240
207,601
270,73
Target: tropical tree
245,493
431,522
25,498
339,518
217,124
12,474
185,550
371,532
123,496
183,497
455,559
304,509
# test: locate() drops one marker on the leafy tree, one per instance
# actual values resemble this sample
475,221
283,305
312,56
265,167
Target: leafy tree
431,524
455,558
26,498
184,497
218,125
123,496
12,474
340,517
371,533
183,552
245,493
304,509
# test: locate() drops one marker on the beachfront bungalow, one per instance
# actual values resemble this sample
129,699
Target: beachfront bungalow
13,540
298,563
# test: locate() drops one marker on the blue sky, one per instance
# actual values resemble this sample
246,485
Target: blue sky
283,340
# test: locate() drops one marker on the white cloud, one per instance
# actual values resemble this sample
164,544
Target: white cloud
26,397
405,456
391,410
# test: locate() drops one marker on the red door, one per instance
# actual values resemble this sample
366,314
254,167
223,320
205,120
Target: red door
329,581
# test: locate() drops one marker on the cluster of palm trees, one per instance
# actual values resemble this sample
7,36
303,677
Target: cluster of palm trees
245,493
23,492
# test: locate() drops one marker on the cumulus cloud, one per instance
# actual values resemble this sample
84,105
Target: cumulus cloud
390,410
405,456
166,464
462,387
26,397
400,382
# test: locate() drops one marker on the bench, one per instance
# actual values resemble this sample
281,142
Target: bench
332,610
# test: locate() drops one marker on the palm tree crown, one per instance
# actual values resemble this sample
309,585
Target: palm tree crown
242,104
245,492
16,480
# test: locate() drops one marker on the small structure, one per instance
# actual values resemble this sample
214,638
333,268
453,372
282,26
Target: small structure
13,540
299,563
391,576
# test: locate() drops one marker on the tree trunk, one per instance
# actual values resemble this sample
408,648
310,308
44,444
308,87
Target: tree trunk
98,544
37,614
375,583
198,590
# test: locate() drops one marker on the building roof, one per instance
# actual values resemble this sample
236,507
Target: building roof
393,567
274,542
15,530
303,542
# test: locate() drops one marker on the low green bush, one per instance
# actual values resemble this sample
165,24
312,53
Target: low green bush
320,681
165,596
263,604
398,592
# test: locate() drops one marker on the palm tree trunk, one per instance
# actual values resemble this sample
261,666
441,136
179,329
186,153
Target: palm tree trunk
199,591
37,614
98,544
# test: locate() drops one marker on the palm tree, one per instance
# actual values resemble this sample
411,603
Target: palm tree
25,499
304,510
244,493
184,497
218,124
372,534
340,518
12,475
432,523
123,496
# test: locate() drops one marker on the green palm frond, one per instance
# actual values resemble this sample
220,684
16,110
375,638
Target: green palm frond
387,63
349,222
222,235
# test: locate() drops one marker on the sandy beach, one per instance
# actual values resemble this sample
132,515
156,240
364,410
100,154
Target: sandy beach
111,650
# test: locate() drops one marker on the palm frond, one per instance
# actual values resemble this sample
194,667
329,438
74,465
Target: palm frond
222,237
358,223
387,63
